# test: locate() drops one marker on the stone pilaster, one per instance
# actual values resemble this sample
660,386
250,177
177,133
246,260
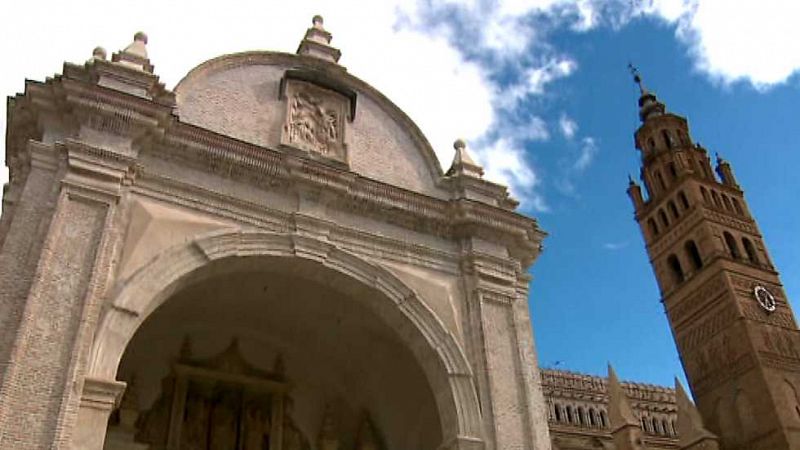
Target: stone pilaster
502,353
19,253
41,391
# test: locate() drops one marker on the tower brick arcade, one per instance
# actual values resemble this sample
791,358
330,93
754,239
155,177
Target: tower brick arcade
732,324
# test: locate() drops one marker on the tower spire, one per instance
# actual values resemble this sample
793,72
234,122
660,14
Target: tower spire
649,106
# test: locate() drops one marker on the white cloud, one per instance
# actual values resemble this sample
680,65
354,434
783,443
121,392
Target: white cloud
537,78
568,126
504,162
755,41
614,246
573,169
586,155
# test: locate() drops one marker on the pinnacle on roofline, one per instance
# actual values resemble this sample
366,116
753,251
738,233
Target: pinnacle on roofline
317,42
463,164
135,54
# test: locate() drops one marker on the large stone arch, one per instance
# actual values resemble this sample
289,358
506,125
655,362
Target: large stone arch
435,348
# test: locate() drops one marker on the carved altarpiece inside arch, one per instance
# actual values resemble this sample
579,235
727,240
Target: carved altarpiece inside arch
220,403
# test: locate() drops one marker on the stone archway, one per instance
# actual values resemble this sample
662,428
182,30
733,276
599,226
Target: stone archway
435,349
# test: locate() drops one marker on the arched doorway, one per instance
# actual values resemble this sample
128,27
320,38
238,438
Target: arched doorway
359,354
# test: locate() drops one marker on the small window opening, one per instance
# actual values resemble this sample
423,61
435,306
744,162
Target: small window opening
663,218
750,250
675,266
653,227
737,206
715,197
672,172
558,412
704,192
684,201
667,138
580,415
660,180
672,209
733,249
694,255
727,202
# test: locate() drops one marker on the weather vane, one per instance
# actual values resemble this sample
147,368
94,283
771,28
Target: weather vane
637,78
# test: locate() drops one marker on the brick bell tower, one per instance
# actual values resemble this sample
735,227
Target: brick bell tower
734,329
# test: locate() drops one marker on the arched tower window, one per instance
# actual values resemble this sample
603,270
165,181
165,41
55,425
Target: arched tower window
676,269
727,202
558,412
684,201
672,172
604,418
656,426
660,180
733,249
737,206
651,224
673,209
581,417
665,427
569,414
663,218
694,255
592,417
704,191
667,138
715,197
750,250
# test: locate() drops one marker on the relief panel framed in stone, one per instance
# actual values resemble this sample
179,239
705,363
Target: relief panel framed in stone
316,120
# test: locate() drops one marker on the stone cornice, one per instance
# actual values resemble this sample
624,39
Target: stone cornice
209,151
75,101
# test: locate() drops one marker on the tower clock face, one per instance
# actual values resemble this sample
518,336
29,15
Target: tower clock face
764,298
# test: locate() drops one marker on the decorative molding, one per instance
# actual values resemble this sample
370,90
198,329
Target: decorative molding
705,330
704,296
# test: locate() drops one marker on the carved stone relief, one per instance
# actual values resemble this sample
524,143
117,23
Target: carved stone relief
315,120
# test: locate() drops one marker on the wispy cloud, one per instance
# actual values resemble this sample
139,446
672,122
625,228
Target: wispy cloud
614,246
568,126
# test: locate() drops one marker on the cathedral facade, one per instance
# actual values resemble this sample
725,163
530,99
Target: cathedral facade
270,257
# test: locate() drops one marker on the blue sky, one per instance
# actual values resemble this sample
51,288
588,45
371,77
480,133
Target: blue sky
540,90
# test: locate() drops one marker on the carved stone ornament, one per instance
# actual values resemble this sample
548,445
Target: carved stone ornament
315,120
764,298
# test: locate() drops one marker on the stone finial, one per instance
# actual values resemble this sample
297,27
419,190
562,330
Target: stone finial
135,54
463,164
318,22
99,53
691,431
620,412
317,42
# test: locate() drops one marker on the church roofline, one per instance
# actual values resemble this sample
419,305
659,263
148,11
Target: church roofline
331,71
